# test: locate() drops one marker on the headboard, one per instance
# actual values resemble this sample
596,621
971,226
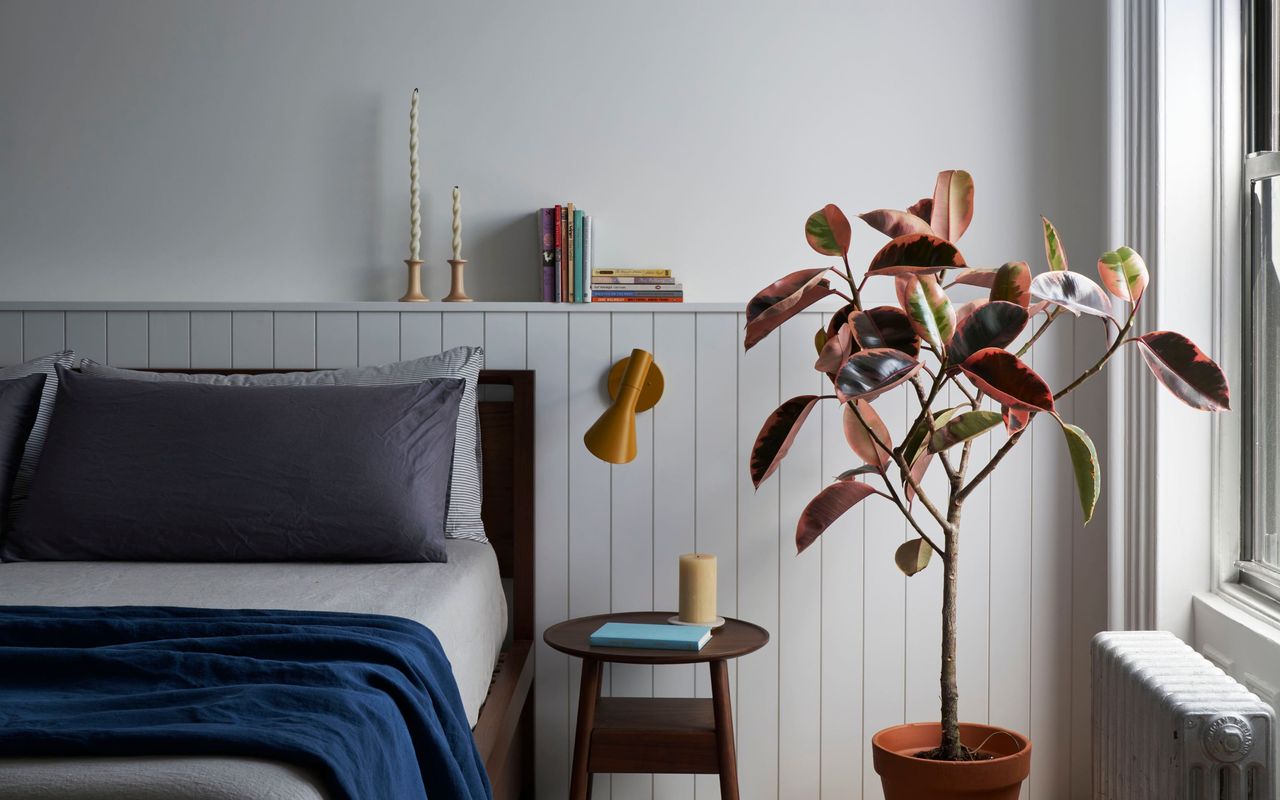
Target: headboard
506,442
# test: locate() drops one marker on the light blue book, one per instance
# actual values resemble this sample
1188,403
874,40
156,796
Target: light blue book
655,637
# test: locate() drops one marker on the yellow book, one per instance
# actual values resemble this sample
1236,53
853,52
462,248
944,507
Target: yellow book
632,273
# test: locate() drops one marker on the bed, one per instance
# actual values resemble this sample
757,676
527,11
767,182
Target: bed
465,602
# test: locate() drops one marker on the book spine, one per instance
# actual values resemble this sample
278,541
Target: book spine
572,294
637,287
629,280
612,272
557,220
588,229
603,293
595,298
546,243
579,237
645,644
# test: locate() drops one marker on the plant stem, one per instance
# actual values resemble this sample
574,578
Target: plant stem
951,749
893,493
848,276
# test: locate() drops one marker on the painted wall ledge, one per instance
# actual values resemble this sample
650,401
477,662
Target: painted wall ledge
138,305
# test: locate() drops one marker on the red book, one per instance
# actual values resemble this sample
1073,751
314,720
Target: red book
558,223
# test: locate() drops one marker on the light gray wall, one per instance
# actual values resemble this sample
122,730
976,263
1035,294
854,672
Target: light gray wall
237,150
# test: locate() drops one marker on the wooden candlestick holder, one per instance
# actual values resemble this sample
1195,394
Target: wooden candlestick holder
457,294
414,294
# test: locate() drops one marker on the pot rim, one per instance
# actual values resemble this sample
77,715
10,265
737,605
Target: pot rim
1020,753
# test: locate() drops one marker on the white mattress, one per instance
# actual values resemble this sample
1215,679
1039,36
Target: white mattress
461,601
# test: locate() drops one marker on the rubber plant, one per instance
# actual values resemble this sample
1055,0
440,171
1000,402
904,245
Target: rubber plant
927,342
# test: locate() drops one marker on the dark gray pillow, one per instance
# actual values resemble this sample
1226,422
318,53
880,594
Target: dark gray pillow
463,519
19,404
146,471
47,366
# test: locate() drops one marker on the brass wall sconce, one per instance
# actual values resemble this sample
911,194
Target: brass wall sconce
635,384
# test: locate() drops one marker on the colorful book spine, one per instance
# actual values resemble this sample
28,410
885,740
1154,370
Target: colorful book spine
547,269
615,272
637,287
595,298
571,296
579,279
558,222
588,232
651,295
629,280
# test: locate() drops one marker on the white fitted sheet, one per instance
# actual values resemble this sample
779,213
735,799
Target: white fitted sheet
462,601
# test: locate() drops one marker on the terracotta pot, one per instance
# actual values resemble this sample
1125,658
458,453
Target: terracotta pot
906,777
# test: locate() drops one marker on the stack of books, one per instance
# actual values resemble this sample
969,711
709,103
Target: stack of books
623,285
565,240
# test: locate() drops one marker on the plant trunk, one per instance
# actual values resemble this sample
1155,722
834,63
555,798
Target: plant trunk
950,746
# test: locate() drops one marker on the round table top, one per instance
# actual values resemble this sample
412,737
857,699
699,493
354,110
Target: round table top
733,639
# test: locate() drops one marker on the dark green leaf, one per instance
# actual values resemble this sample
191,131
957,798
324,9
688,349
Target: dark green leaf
1084,463
1053,252
850,474
962,428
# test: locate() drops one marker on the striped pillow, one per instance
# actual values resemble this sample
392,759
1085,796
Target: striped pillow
35,441
462,521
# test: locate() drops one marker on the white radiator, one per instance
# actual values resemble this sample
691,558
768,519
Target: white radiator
1169,725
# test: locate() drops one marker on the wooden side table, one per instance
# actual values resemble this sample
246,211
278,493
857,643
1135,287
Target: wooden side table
654,734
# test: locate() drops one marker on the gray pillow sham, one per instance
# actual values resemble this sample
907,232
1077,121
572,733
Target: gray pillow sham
465,490
171,471
47,366
19,404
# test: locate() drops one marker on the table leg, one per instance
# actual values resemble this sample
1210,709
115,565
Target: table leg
724,730
588,694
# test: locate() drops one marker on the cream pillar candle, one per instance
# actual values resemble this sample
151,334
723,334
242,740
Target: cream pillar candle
457,223
698,588
415,202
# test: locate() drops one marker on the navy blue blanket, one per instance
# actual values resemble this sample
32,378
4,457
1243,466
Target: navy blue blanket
366,702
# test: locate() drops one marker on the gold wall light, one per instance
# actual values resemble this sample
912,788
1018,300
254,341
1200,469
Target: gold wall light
635,384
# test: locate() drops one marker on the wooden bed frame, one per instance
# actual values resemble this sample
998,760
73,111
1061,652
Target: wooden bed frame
504,732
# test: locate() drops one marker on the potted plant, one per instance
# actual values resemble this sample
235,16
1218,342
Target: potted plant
926,343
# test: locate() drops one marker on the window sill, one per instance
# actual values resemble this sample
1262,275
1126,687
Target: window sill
1241,634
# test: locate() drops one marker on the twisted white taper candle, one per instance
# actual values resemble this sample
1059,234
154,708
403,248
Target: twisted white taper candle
457,223
415,203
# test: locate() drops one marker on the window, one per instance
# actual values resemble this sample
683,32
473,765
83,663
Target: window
1259,562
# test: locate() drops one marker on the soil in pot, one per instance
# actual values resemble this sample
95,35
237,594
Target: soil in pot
905,775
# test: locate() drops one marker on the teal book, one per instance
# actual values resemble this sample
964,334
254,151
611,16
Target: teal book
654,637
578,276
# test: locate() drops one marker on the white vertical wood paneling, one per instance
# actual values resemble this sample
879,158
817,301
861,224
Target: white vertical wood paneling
378,337
127,339
1053,500
295,340
11,337
43,332
841,689
548,337
211,339
252,340
419,334
169,339
674,339
504,340
87,334
716,480
589,485
884,593
853,649
631,532
800,579
337,341
758,563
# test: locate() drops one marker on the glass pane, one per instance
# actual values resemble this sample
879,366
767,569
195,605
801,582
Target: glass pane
1265,356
